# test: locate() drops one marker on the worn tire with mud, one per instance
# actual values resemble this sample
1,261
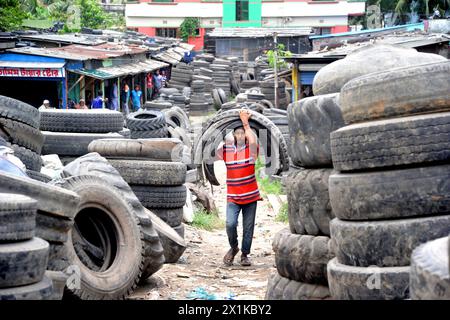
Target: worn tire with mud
173,251
156,173
390,194
23,263
385,243
302,258
372,283
160,197
22,134
17,217
311,120
309,210
430,276
19,111
51,228
393,142
94,164
29,158
173,217
94,121
280,288
107,212
41,290
397,92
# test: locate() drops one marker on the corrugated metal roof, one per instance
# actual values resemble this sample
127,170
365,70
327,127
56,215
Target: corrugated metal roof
64,38
82,53
259,32
126,69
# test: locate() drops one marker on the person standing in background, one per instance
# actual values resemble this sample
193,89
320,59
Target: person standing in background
136,98
114,98
97,103
149,86
125,98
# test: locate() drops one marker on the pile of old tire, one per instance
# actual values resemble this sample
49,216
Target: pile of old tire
303,251
68,132
200,101
272,143
23,257
280,119
19,126
248,84
429,277
52,222
222,75
219,97
150,168
267,88
180,77
392,192
178,125
147,123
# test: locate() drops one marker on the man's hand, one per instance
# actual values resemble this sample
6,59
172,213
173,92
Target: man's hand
245,115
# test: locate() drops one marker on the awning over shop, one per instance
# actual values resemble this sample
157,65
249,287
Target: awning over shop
24,69
122,70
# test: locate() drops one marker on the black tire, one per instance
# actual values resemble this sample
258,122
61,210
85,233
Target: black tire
94,164
72,144
160,197
159,105
38,176
83,121
373,283
19,111
302,258
38,291
106,218
157,173
51,228
172,250
397,92
22,134
216,98
369,59
17,217
393,142
176,117
145,120
222,95
29,158
173,217
163,149
23,262
280,288
309,209
51,199
157,133
386,243
391,194
429,276
311,120
275,146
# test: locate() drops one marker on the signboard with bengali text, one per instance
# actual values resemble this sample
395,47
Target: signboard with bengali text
32,72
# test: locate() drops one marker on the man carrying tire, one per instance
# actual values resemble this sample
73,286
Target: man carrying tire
242,189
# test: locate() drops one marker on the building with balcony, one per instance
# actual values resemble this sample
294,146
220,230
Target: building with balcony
164,17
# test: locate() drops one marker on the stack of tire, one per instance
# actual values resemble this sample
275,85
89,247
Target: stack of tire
429,277
303,251
267,88
260,64
147,123
391,193
178,125
19,126
206,57
235,75
23,257
169,97
248,84
180,76
219,97
51,222
280,119
148,166
68,132
222,75
366,200
199,105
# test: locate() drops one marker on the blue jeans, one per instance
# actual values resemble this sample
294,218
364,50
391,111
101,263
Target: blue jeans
248,221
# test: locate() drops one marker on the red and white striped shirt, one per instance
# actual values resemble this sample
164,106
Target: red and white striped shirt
242,187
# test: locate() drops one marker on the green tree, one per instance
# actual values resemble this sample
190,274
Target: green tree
11,15
280,54
189,27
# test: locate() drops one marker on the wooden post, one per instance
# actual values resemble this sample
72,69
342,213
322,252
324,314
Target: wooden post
295,81
118,94
103,94
275,69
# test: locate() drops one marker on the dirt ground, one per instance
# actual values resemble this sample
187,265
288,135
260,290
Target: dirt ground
201,265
